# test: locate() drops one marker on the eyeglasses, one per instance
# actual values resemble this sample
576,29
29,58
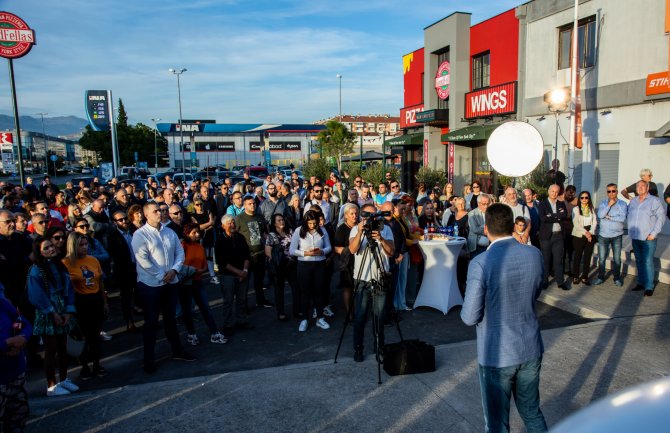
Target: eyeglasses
611,191
83,226
40,222
318,191
58,238
395,186
118,220
583,198
176,213
197,204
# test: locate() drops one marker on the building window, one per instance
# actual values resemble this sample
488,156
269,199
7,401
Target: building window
586,42
481,70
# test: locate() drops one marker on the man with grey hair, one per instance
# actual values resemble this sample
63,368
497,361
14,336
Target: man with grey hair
98,219
477,240
518,210
233,260
645,175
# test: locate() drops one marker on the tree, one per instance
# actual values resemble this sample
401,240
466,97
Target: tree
336,140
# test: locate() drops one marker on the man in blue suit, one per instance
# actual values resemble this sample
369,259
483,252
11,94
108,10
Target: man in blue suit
503,285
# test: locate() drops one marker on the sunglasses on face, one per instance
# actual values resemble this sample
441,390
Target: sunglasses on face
118,220
395,186
41,222
83,226
318,191
58,238
176,213
583,198
611,191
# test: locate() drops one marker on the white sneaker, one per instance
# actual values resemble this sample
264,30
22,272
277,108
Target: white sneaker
321,323
218,338
192,339
69,385
105,336
303,326
56,390
314,315
328,312
215,280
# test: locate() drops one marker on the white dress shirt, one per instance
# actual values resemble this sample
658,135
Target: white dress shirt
157,251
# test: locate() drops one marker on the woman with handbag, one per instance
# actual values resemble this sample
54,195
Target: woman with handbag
50,291
277,246
90,299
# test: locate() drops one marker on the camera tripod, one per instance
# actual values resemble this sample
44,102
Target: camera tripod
379,284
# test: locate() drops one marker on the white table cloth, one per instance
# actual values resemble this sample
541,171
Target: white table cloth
439,288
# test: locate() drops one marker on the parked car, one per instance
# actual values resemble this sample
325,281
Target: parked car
86,170
180,177
256,170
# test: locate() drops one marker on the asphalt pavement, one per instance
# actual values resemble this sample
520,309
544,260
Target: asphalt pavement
598,340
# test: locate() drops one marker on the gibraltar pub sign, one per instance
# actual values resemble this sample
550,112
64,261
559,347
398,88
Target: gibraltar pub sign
496,100
16,38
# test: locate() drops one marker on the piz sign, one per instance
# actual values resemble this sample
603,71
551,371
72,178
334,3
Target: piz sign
496,100
408,116
16,38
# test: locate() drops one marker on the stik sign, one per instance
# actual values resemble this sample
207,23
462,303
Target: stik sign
16,38
442,78
494,100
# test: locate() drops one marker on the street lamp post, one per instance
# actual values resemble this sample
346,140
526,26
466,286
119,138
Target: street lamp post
178,72
155,144
339,77
557,101
46,146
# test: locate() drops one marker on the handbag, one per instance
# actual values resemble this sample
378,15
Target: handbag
75,342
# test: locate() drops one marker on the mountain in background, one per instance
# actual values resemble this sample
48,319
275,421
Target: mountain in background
54,126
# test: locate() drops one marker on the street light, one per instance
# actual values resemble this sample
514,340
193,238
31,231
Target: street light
46,153
557,101
178,72
339,77
155,144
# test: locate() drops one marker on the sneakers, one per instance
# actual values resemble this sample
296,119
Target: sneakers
184,356
99,371
321,323
618,283
105,336
328,312
69,385
218,338
57,390
303,326
597,281
215,280
192,339
266,304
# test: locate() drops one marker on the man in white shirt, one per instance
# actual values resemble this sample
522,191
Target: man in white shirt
366,272
159,257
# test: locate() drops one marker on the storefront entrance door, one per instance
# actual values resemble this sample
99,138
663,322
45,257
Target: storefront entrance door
481,168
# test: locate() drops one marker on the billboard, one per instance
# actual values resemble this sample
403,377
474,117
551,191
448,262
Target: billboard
494,100
97,109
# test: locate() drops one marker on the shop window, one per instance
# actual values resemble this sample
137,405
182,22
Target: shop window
481,71
586,43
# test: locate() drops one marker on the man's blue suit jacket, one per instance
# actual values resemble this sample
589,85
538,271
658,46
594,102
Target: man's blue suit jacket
502,287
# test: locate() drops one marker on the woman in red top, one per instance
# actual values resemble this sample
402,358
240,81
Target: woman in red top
191,287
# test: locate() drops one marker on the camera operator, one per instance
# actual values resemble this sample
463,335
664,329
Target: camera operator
371,227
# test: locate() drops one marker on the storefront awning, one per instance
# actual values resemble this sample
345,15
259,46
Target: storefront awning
415,139
474,132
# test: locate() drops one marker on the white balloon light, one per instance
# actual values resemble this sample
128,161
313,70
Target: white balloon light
514,148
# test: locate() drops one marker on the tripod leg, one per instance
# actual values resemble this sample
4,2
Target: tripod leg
346,321
376,321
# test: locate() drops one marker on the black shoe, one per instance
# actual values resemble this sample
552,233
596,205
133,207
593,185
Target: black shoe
564,286
184,356
265,304
586,282
648,293
575,281
638,288
358,354
245,326
99,371
85,373
150,367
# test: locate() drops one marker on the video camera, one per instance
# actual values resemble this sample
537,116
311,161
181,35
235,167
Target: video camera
374,222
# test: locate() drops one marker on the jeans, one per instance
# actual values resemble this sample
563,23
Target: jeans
196,292
644,258
234,294
362,297
604,245
159,300
552,252
498,385
401,284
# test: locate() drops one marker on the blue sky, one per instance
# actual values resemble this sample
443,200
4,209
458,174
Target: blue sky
248,61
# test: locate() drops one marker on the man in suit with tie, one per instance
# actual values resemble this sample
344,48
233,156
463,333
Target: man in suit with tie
554,218
503,285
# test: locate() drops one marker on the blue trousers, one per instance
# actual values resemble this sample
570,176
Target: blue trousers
644,258
498,385
604,245
159,300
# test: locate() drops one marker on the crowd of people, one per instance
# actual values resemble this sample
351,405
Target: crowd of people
62,250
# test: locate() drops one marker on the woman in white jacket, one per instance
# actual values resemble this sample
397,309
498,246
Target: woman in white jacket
584,222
